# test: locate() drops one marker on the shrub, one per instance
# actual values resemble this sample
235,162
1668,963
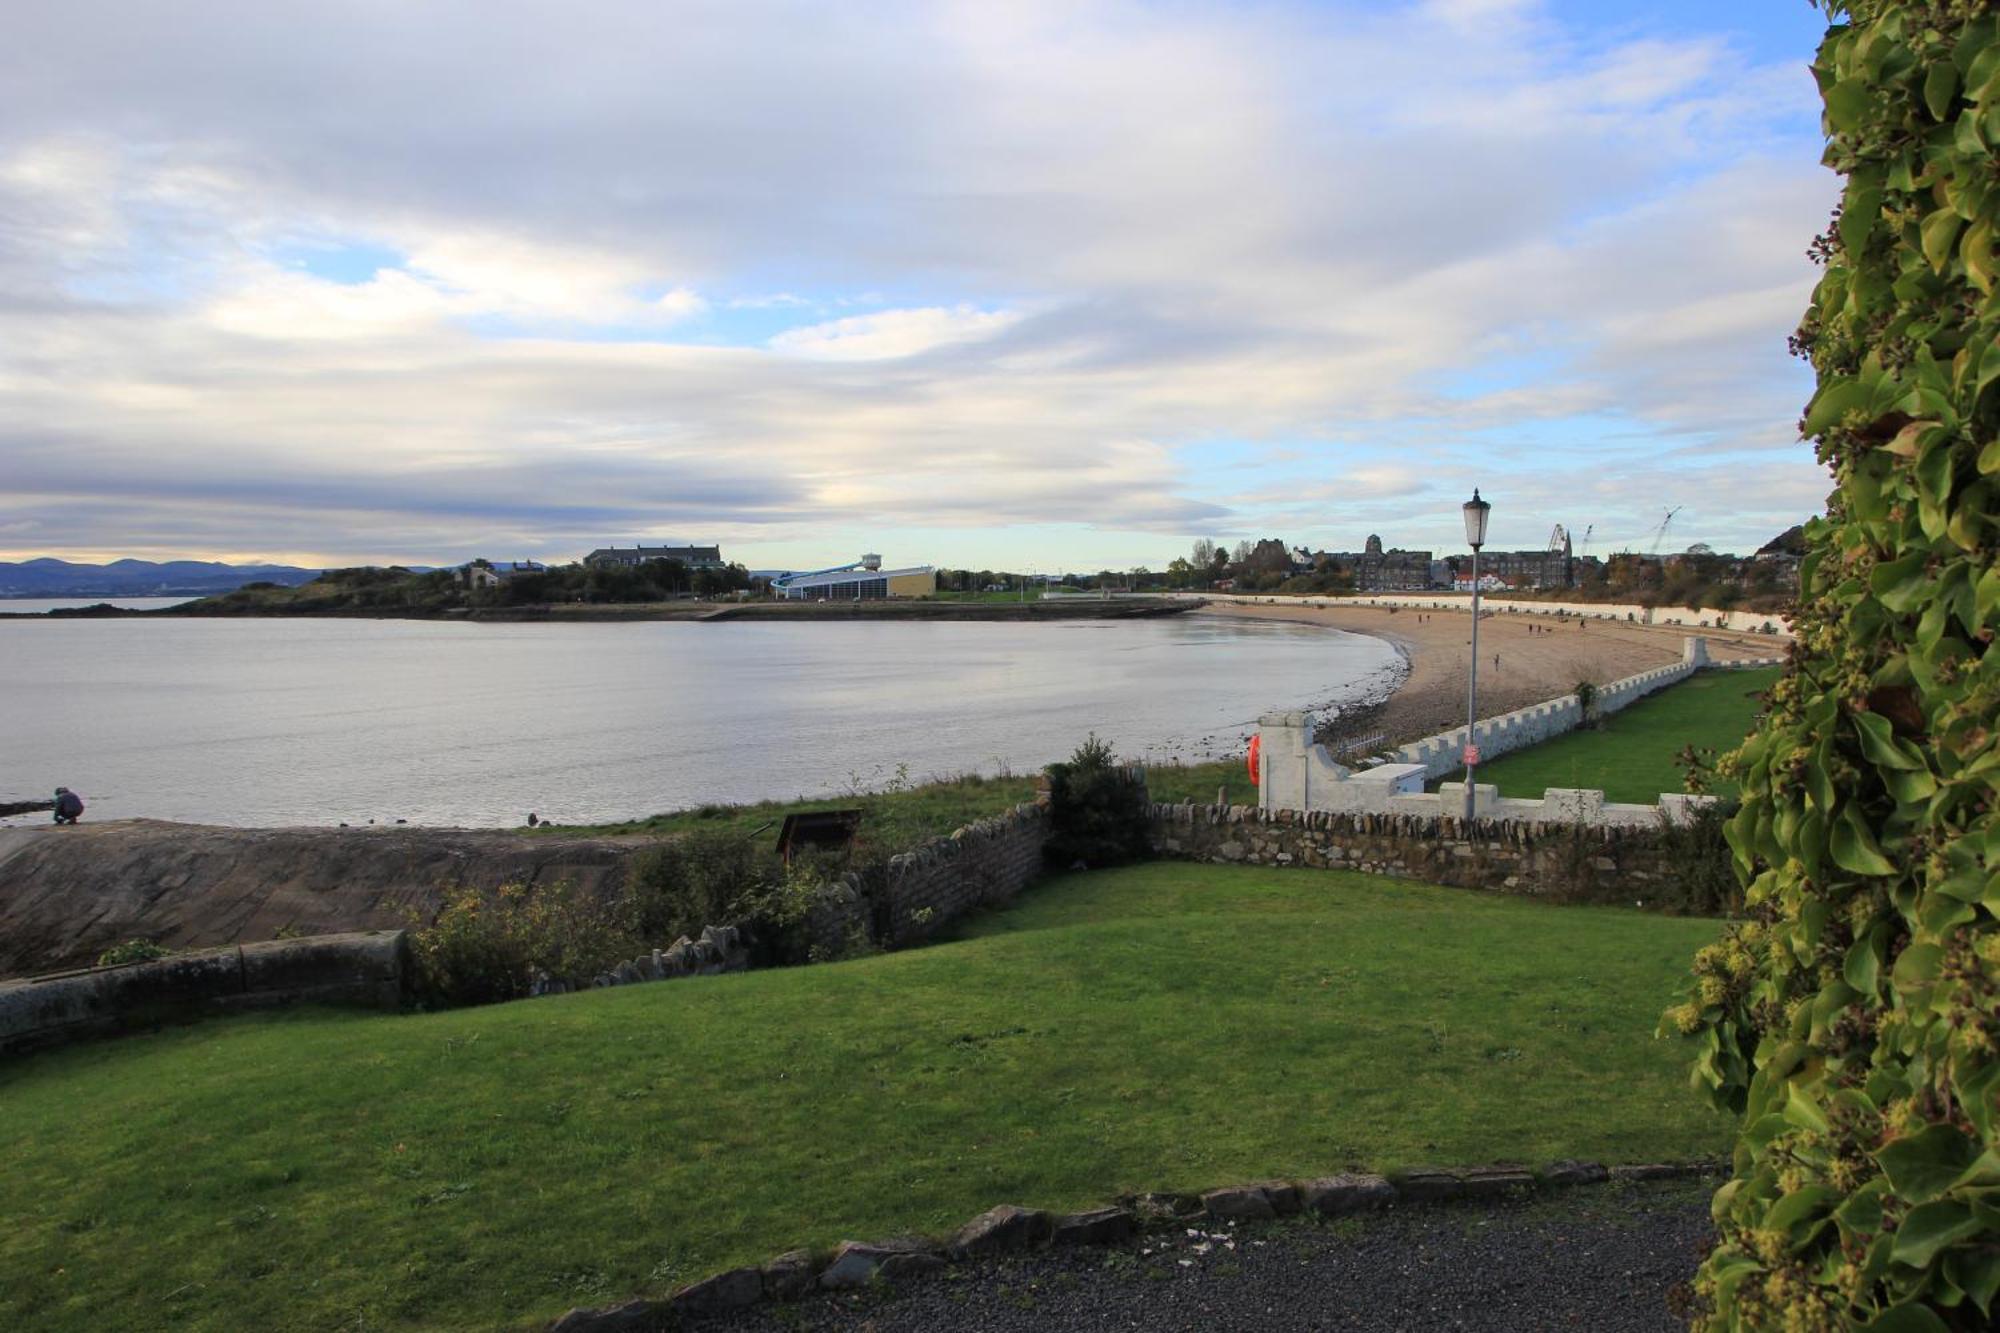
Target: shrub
1098,812
1853,1022
1705,880
705,877
487,946
132,951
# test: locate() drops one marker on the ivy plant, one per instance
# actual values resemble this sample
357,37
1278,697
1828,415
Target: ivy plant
1851,1017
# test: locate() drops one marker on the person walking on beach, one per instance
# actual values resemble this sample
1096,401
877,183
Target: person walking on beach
69,806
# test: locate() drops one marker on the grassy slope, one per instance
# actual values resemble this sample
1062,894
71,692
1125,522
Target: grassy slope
896,818
1632,757
1169,1026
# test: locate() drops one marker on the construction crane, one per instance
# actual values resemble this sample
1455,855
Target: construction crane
1583,553
1558,536
1660,533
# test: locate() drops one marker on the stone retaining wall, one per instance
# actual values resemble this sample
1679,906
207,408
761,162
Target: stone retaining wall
364,968
920,892
1506,856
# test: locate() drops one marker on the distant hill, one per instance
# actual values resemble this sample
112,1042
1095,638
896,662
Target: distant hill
1792,541
48,577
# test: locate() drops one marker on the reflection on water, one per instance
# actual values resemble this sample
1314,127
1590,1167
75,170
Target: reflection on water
318,721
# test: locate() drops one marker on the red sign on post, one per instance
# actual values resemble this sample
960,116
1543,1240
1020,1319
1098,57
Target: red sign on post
1471,755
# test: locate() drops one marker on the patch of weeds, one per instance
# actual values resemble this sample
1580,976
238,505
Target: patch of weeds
1503,1054
581,1281
76,1226
253,1219
444,1195
1021,1298
1349,1229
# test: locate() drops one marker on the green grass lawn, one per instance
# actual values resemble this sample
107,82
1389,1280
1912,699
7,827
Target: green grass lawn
1632,757
1171,1026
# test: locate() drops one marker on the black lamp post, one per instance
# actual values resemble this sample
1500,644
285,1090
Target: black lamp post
1476,511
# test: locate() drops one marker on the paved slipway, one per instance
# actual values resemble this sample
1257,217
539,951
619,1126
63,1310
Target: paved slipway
1602,1258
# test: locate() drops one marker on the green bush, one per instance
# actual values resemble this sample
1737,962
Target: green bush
488,946
1853,1021
132,951
1098,811
1704,883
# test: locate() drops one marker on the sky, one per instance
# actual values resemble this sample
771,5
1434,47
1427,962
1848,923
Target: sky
1049,284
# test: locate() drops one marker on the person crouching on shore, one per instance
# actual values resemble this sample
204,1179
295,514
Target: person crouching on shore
69,806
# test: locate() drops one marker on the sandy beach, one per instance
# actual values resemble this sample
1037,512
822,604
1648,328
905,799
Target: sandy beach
1523,659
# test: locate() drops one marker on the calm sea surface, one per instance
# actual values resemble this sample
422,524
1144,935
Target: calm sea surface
320,721
34,606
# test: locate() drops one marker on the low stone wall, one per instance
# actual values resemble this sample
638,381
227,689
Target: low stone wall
365,969
921,892
1533,859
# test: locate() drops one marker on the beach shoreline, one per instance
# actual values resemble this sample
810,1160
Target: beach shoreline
1524,660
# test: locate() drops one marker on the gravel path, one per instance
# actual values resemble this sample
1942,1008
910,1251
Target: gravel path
1602,1258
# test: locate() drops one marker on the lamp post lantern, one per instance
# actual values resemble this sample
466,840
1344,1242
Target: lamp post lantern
1476,511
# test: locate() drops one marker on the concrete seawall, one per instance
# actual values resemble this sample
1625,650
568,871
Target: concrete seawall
365,969
67,894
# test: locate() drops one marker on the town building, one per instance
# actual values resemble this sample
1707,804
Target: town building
1377,570
858,580
696,558
490,574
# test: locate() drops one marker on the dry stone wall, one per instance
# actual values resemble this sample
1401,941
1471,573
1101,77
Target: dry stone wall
1533,859
920,892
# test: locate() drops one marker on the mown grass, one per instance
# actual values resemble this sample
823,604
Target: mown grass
1168,1026
1632,757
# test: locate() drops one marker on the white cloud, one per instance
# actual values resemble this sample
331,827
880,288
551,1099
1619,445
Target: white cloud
1374,238
888,335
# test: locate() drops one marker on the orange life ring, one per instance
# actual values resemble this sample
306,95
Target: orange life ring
1256,746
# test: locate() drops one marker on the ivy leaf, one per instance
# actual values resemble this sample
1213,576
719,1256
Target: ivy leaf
1917,965
1863,966
1927,1163
1912,1318
1847,104
1977,251
1940,87
1929,1229
1860,210
1854,848
1834,401
1879,743
1939,234
1901,583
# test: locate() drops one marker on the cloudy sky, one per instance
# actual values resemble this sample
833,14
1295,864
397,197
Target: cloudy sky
1023,284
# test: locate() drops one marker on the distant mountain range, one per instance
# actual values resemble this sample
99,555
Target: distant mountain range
48,577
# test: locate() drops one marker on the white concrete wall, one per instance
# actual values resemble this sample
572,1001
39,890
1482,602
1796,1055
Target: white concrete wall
1742,622
1296,774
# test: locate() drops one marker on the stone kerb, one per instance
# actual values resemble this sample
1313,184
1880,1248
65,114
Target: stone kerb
361,968
1009,1231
